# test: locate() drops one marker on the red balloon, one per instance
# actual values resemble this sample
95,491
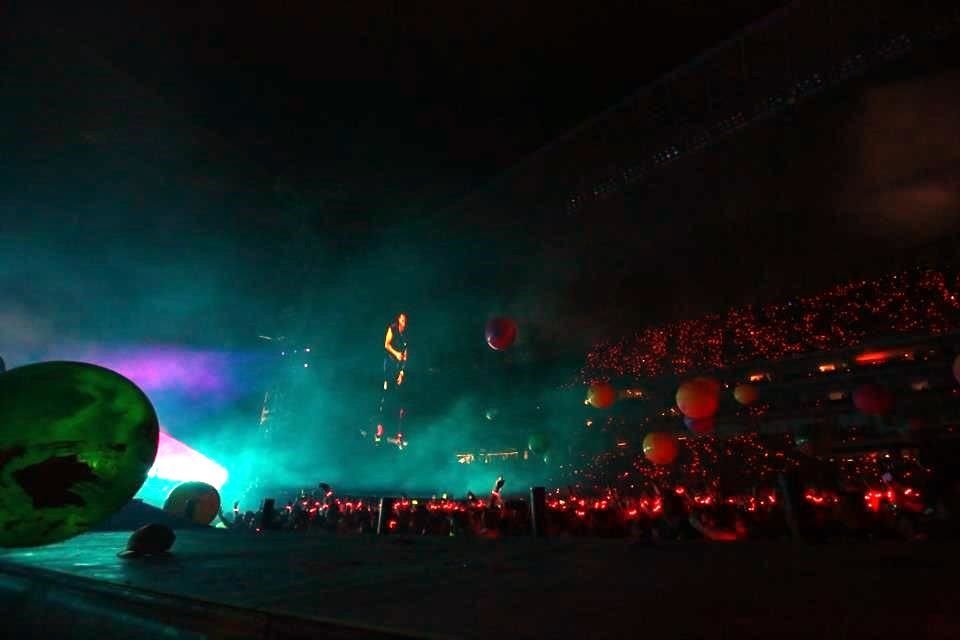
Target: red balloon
660,447
700,426
746,394
699,398
601,395
872,399
501,333
956,368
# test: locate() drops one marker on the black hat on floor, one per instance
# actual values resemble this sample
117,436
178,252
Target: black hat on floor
149,540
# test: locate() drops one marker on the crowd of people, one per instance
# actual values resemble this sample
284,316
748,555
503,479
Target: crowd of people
913,302
797,505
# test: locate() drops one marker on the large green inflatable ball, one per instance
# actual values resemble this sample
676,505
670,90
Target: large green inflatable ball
76,443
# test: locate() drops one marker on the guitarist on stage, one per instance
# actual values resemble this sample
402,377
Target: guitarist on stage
394,365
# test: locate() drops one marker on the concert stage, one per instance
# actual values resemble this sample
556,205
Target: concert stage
288,585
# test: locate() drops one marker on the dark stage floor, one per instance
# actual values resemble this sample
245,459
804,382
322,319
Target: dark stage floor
294,585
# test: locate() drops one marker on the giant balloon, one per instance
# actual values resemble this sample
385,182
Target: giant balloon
76,442
196,501
699,397
501,333
660,447
872,399
746,394
538,443
700,426
601,395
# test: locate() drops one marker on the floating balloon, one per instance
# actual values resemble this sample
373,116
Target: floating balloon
538,443
660,447
746,394
501,333
76,442
701,426
872,399
601,395
699,397
491,414
195,501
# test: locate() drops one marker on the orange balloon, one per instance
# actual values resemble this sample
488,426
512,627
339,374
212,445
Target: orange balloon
660,447
699,398
601,395
746,394
197,501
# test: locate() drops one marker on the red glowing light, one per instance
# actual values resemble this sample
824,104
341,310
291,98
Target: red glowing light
872,357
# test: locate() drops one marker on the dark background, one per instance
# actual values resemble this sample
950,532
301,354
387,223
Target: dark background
200,175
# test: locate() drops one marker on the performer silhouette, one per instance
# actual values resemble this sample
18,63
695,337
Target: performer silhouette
392,410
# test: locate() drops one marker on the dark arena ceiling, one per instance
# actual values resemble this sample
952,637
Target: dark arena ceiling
334,145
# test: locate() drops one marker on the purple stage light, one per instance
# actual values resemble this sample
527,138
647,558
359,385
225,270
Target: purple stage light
169,368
